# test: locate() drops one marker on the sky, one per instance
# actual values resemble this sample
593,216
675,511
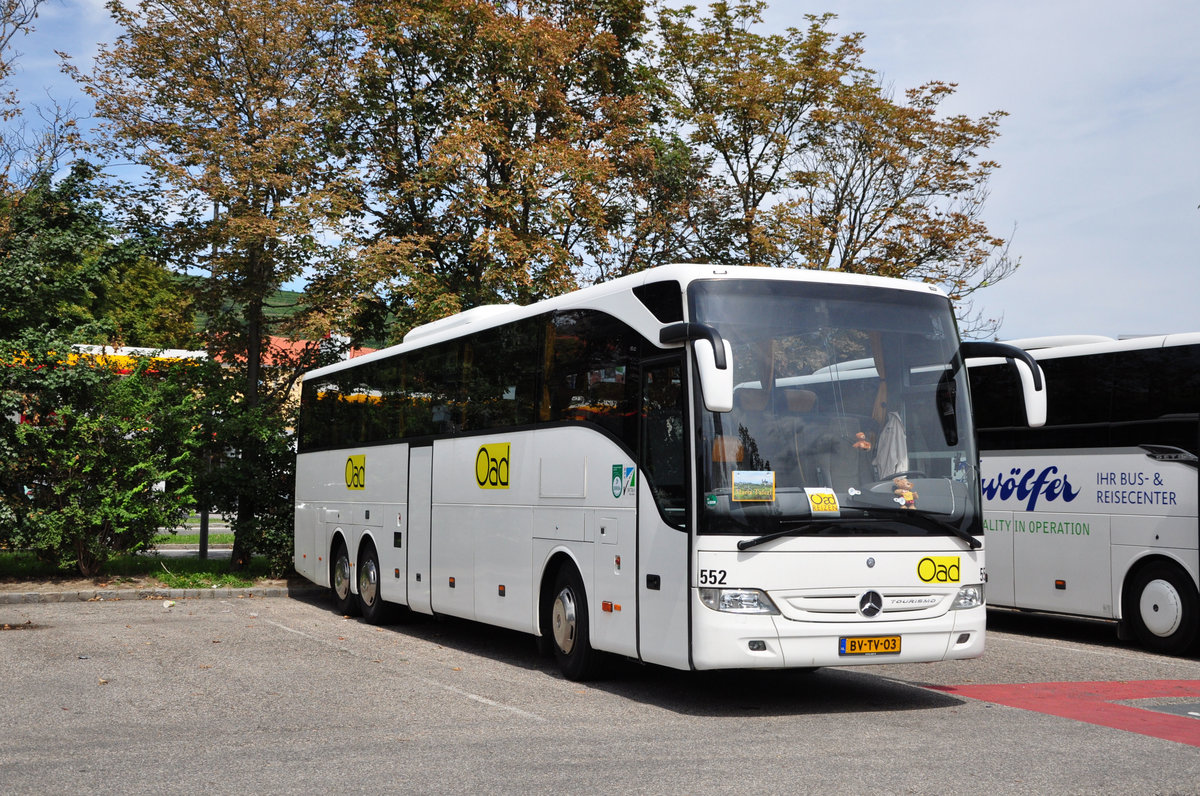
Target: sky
1099,184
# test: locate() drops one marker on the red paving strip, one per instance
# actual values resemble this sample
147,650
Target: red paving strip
1093,703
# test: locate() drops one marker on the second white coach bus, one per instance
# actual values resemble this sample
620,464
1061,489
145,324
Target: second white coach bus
1095,513
699,467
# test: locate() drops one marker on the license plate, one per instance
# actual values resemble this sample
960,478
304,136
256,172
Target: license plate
869,645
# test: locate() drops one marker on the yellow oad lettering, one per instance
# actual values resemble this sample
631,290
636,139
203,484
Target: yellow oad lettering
823,501
356,472
938,569
492,465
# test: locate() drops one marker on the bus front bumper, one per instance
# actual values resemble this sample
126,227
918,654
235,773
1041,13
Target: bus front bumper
737,641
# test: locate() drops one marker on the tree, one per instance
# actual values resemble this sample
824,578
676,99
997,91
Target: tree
34,140
64,270
747,103
95,464
228,105
486,133
814,164
16,19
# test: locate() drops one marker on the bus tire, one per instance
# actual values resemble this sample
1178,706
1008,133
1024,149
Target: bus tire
567,626
1162,608
339,580
370,605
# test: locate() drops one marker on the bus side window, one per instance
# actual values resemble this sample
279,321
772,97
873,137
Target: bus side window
664,449
592,376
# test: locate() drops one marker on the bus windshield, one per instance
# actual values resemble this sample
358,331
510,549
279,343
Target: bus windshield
850,413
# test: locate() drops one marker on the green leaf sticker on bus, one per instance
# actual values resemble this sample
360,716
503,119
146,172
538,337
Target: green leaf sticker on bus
622,480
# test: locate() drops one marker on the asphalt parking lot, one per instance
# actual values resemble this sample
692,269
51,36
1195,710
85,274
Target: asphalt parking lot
282,695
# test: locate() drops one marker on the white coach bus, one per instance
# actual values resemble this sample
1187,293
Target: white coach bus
635,469
1094,514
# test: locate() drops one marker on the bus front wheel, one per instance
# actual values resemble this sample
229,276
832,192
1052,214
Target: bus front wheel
568,627
1161,607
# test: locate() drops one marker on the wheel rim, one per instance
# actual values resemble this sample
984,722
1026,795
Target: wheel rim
563,621
341,577
1161,608
368,581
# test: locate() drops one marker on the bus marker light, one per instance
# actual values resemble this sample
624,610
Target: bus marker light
452,583
606,607
501,590
397,572
1061,585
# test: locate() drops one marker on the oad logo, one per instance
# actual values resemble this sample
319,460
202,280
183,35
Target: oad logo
356,472
491,466
938,569
822,502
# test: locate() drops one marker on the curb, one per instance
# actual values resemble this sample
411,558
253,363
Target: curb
113,595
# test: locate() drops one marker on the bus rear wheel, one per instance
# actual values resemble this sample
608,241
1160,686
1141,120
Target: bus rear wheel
369,603
568,629
1161,607
339,581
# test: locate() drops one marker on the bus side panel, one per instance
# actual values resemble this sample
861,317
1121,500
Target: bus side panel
389,520
614,622
420,496
504,583
998,533
323,505
662,589
1095,512
1062,563
451,563
1135,538
481,537
305,558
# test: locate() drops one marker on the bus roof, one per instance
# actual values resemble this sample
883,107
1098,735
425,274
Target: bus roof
612,295
1085,345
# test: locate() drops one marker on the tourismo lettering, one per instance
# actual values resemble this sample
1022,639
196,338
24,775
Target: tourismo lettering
1027,486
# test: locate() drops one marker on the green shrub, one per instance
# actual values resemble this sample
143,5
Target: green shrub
91,461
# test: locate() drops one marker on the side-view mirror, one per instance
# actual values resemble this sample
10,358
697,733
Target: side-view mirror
1033,384
714,357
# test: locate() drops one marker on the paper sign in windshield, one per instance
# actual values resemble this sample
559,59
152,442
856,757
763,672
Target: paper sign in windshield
824,502
754,485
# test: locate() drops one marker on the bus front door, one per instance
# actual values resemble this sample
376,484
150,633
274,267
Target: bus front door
663,516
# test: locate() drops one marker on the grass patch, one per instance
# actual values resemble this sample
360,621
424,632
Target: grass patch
192,538
174,573
181,573
20,565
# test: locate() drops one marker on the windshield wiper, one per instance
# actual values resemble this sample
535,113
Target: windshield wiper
876,514
807,527
924,520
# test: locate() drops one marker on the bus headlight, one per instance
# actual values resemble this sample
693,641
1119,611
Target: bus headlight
738,601
968,597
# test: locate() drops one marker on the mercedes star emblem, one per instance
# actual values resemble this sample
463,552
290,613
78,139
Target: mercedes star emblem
870,604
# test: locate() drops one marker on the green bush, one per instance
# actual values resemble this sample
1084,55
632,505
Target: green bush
91,461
